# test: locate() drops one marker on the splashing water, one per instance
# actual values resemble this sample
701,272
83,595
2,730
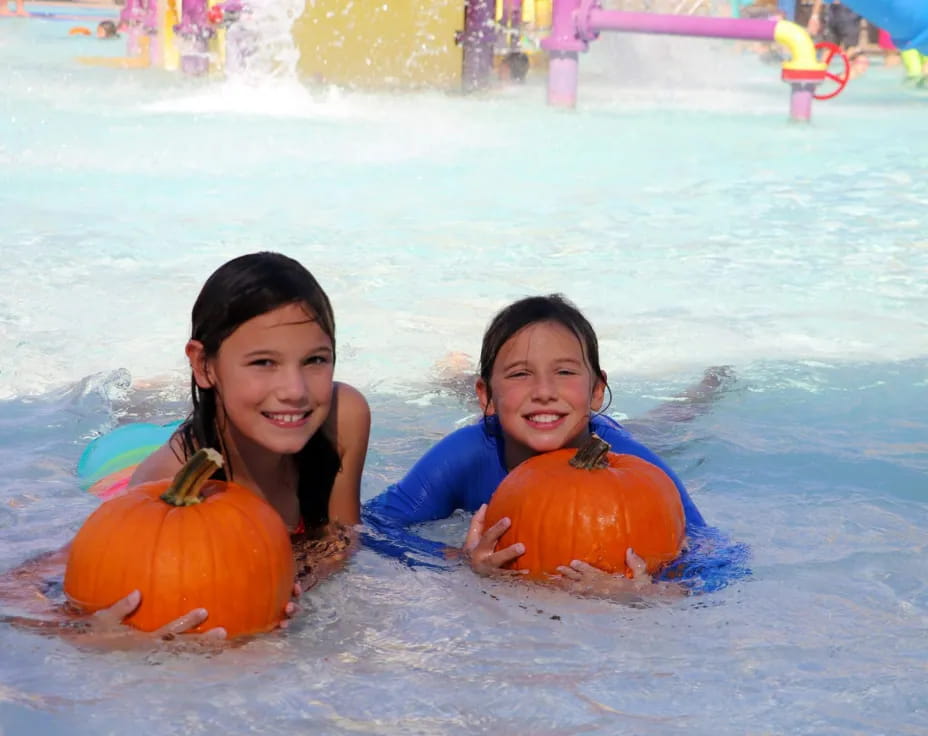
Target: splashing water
260,46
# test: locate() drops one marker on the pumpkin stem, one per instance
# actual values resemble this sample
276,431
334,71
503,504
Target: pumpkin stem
592,455
185,488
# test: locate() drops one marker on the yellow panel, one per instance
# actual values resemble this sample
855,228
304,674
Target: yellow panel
381,43
541,16
170,54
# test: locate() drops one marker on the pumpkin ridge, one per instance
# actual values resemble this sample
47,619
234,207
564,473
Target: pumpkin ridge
192,527
238,609
540,523
268,551
120,505
159,572
213,560
148,584
572,514
86,588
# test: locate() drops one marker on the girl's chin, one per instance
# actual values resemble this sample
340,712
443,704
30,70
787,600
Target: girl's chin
285,445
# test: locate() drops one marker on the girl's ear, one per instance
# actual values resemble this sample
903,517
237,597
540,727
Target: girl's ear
196,354
483,396
599,393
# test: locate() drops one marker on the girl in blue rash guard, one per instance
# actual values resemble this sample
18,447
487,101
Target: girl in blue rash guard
540,385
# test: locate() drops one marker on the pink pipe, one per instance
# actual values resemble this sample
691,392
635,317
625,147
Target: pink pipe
800,101
562,46
675,25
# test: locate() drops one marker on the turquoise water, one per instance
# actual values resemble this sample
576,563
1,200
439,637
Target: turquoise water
677,207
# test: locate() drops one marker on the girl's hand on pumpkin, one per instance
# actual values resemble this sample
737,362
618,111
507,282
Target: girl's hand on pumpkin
291,608
480,546
584,579
106,627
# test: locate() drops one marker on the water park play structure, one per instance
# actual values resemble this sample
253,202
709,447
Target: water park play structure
453,44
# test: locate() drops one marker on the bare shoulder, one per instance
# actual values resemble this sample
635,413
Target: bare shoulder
350,403
349,422
162,463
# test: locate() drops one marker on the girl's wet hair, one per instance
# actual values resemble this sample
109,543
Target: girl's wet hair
531,310
108,27
239,290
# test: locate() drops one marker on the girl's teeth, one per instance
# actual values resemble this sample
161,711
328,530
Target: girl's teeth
286,417
544,418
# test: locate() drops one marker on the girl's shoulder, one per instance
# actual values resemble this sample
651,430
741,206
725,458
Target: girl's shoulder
604,425
349,421
349,406
348,398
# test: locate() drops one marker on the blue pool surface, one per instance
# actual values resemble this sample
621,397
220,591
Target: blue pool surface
677,207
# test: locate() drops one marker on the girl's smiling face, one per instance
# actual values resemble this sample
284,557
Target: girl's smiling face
543,391
273,378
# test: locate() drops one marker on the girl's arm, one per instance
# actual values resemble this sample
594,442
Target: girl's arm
350,428
28,587
460,471
33,592
34,587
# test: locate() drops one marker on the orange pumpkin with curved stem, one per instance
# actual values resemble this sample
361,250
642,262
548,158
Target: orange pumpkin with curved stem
187,543
591,505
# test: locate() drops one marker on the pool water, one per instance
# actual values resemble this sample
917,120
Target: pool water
677,207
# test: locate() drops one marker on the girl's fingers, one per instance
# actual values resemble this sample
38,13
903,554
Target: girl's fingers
475,529
121,608
582,567
491,536
184,623
506,555
637,565
569,573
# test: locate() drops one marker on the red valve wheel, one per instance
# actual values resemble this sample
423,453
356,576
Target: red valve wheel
840,79
215,15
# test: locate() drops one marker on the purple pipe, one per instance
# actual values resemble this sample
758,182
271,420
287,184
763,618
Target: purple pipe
512,19
131,16
597,19
512,13
478,39
577,22
196,31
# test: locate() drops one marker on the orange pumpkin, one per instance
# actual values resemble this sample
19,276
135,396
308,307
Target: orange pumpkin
590,505
187,543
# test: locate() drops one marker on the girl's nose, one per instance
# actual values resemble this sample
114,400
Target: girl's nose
544,388
292,385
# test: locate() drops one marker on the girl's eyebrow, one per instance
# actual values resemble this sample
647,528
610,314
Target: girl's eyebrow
524,363
271,351
261,351
322,349
307,320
